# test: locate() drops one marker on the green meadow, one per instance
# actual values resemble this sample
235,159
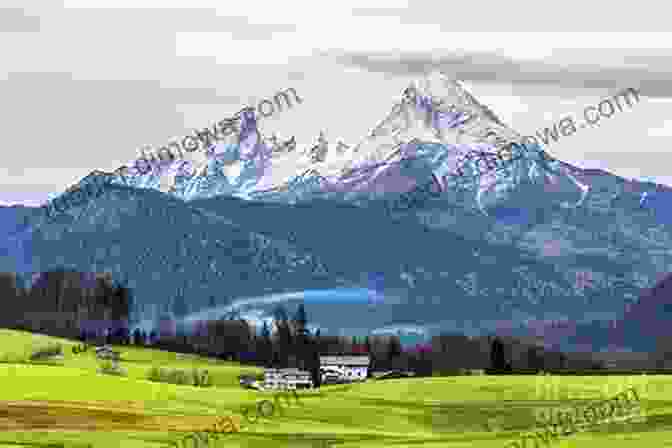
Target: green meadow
67,403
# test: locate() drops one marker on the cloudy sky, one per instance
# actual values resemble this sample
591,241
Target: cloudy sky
85,83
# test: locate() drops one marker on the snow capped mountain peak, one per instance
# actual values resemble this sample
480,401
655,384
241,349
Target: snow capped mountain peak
437,130
436,109
450,91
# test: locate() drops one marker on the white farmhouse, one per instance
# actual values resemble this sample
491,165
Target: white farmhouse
350,367
287,379
106,352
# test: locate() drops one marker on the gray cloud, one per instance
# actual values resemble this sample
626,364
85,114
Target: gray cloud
296,76
93,115
15,20
652,80
61,85
15,171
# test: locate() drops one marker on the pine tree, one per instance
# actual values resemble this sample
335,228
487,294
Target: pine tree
301,334
265,331
534,361
9,294
497,358
284,333
300,321
314,363
137,337
121,301
394,348
266,345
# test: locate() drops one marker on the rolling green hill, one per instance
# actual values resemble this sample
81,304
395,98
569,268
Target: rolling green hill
67,403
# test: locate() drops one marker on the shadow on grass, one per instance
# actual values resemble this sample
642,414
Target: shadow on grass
324,440
45,445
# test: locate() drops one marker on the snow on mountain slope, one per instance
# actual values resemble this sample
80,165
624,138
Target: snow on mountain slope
437,109
437,131
235,166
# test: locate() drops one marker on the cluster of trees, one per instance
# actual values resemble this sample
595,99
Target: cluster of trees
66,303
502,355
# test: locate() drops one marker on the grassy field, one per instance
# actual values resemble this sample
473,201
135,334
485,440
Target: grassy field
68,404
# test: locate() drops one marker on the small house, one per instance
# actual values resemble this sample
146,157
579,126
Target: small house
287,379
106,352
351,367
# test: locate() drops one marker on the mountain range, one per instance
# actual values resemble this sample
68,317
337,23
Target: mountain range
453,245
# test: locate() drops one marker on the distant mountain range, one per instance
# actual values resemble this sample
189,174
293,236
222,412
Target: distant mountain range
517,249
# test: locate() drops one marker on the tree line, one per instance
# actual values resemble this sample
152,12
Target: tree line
95,308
